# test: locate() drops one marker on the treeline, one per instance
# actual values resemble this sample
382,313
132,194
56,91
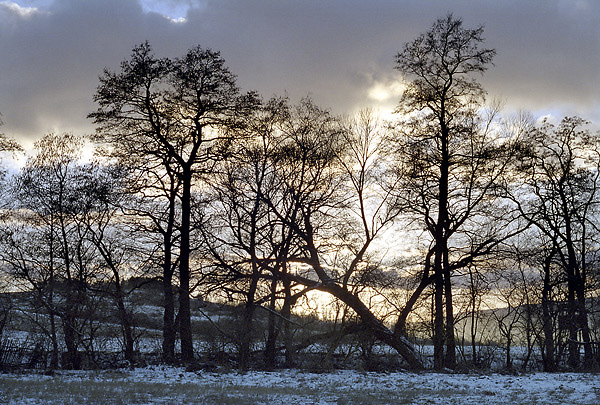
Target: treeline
223,195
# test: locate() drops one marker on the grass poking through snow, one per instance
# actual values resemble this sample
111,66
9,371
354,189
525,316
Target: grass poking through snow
166,385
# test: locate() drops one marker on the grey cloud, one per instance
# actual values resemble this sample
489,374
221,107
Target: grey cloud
339,51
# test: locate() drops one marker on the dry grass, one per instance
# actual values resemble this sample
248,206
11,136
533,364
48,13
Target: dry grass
110,390
175,386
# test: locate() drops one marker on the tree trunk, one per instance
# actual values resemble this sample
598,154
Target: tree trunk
400,327
442,281
71,360
369,321
508,346
588,360
54,340
54,357
184,315
573,344
286,312
125,319
119,297
528,337
450,358
438,319
169,332
272,330
69,317
474,318
548,359
246,331
573,282
246,336
169,329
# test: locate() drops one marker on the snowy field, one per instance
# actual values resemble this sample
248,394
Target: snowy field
166,385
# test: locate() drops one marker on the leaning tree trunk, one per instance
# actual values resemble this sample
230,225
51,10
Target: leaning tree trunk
369,320
426,279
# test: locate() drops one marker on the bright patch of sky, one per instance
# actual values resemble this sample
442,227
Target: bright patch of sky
175,10
384,91
25,9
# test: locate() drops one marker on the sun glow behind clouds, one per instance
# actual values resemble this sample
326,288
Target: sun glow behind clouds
384,91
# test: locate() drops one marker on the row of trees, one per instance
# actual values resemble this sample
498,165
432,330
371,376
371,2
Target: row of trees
218,193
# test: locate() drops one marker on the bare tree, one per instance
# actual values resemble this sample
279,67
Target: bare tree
319,187
171,119
561,169
45,245
509,293
120,254
454,158
290,203
248,245
6,145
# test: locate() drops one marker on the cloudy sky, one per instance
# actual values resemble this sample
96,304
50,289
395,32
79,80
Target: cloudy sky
341,52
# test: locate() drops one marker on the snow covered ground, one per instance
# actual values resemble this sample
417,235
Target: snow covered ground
163,385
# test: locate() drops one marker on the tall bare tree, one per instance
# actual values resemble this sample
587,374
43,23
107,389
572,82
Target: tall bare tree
453,157
169,120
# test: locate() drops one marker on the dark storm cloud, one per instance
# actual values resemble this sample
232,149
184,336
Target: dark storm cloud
341,52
